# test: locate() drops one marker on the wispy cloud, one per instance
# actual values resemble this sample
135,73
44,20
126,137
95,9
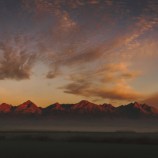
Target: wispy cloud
110,82
118,92
88,41
16,61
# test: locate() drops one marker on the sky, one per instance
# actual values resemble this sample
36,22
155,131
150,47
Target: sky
104,51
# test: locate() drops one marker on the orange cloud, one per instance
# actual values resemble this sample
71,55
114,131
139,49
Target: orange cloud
151,99
118,92
113,87
116,72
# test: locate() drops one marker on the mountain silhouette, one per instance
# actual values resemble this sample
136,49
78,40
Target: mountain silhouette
28,107
5,108
137,110
84,107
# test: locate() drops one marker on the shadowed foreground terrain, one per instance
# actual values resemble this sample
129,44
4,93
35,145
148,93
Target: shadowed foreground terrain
28,131
78,144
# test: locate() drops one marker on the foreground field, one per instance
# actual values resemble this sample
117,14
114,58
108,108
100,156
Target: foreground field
78,145
33,149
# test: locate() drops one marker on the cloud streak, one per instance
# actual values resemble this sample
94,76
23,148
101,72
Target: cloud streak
109,82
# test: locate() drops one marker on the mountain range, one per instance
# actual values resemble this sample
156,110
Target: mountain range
83,108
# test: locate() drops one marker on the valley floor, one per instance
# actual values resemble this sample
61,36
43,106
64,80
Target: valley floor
78,145
33,149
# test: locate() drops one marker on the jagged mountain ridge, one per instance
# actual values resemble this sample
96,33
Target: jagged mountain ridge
28,107
83,107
